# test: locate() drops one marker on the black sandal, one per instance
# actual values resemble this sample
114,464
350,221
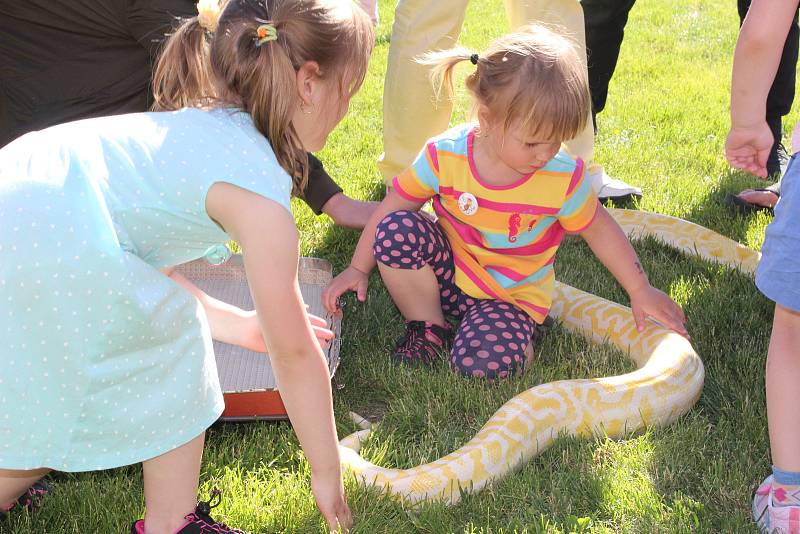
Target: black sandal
740,205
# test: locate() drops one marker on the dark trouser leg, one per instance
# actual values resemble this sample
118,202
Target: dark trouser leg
604,21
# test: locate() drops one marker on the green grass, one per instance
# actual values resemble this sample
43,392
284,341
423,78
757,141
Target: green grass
663,129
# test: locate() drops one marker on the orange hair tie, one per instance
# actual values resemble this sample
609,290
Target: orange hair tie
266,33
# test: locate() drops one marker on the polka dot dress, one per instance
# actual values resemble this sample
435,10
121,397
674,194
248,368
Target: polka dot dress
105,361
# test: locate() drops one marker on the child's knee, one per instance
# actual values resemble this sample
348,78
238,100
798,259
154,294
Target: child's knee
396,240
487,364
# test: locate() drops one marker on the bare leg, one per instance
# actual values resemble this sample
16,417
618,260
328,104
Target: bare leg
783,375
415,292
14,483
170,486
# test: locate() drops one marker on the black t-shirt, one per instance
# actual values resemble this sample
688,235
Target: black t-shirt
64,60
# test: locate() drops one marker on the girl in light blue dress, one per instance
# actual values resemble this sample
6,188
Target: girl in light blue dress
106,354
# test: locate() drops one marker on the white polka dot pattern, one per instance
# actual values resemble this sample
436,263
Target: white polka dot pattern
106,361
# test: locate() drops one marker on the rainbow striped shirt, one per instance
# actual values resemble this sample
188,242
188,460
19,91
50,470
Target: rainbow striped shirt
504,238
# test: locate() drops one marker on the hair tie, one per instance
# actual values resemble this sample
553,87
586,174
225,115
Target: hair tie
208,14
266,33
474,59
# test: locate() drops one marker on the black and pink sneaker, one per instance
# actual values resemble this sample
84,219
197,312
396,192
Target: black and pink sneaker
199,522
30,499
422,342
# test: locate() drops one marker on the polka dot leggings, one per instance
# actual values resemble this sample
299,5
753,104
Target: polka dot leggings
492,337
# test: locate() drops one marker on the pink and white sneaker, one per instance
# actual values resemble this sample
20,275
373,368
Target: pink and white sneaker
773,519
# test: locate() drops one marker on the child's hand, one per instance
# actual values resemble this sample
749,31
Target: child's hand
748,148
651,302
321,331
251,337
351,279
331,501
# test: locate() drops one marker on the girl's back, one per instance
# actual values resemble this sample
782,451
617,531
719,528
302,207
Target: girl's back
147,175
88,210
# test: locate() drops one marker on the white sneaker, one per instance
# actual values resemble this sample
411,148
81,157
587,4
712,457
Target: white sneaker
607,187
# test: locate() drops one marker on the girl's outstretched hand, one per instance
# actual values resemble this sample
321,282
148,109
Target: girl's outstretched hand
351,279
651,302
329,493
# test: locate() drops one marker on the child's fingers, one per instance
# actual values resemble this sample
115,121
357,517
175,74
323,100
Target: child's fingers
329,297
673,319
317,321
361,291
639,317
323,333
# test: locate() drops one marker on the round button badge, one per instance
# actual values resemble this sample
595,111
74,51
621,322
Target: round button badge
467,203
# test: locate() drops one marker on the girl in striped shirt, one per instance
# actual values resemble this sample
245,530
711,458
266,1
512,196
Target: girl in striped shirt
505,193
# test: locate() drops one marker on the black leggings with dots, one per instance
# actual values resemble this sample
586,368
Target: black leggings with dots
492,337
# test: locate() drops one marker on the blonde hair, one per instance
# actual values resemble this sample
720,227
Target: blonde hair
532,77
226,68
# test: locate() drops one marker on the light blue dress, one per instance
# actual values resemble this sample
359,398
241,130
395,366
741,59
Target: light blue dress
104,361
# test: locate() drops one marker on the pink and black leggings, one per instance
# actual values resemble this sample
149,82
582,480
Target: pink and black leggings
491,339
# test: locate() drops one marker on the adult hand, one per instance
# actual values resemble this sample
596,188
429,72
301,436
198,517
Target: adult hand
651,302
747,148
329,493
351,279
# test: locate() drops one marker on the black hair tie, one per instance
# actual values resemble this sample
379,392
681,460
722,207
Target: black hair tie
474,59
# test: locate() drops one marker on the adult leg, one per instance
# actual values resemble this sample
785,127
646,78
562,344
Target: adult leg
170,487
491,340
568,15
604,21
411,113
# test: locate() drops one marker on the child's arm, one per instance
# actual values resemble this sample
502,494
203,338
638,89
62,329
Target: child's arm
611,246
755,62
269,240
356,275
233,325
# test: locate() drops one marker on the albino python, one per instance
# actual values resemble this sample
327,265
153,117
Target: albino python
666,384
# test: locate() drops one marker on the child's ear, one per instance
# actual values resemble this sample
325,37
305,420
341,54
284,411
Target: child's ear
308,78
484,118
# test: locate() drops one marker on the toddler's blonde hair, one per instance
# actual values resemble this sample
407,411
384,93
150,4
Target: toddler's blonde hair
532,77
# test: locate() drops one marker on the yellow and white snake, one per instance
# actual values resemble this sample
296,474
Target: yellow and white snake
666,384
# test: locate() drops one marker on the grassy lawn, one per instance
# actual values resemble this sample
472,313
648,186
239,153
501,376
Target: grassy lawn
663,129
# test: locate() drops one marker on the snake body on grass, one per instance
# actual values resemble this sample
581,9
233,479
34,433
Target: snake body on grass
667,383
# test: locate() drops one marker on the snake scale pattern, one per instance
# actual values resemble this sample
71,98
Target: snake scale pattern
667,383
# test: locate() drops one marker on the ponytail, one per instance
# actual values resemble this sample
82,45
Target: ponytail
181,76
442,63
269,96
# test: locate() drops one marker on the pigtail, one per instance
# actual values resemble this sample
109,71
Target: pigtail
442,63
181,76
271,100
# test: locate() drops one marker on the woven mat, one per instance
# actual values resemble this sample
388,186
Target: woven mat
244,370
